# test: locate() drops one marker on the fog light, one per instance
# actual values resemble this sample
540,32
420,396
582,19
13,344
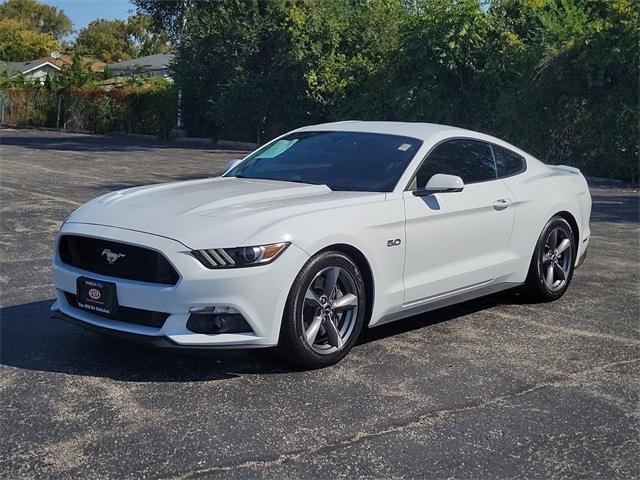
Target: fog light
212,309
216,320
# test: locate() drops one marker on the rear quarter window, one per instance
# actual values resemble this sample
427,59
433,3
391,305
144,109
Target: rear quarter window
508,163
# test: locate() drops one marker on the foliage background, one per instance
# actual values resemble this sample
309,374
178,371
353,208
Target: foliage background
558,78
29,30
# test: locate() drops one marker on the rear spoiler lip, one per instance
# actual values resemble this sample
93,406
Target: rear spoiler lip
565,169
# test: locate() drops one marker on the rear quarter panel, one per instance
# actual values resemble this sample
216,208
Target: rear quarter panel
541,193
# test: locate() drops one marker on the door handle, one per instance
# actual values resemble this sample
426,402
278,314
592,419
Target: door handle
501,204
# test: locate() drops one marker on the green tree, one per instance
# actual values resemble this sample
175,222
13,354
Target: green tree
375,47
147,38
447,50
589,78
18,43
345,51
116,40
107,40
254,69
38,17
211,67
168,16
78,74
576,96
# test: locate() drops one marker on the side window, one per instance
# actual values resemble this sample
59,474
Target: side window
508,163
470,160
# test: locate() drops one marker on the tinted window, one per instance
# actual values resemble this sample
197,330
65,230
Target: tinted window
470,160
341,160
507,162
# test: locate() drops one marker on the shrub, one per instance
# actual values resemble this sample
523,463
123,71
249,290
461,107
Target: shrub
147,109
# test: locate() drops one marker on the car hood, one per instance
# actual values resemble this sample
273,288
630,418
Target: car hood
218,212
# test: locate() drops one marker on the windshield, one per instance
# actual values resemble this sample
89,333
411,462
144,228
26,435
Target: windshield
358,161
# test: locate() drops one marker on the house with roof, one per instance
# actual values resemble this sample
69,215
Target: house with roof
153,66
37,70
40,68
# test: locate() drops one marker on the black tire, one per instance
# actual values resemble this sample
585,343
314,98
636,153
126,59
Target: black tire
319,327
552,263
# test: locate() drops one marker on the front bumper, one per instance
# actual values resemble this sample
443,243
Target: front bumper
258,293
150,340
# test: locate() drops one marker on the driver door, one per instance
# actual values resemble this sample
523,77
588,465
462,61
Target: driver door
456,241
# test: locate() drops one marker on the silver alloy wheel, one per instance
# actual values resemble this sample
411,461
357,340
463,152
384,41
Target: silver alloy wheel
330,310
557,259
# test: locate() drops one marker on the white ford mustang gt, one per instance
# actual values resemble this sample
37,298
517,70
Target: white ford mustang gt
321,231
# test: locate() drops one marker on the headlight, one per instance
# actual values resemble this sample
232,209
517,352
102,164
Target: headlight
240,256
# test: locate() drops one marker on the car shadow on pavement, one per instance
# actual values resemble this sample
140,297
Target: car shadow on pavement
30,340
441,315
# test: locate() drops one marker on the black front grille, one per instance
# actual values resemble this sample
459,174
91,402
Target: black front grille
136,316
119,260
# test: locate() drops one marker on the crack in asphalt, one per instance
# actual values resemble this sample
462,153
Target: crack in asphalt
572,331
424,419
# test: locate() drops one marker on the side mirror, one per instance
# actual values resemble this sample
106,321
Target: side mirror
441,183
232,164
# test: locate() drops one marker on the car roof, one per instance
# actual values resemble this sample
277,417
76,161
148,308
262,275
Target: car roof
421,131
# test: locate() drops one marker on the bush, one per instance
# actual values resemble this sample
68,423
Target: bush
110,114
30,107
148,109
154,109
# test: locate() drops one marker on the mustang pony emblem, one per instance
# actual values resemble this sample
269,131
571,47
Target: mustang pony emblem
111,256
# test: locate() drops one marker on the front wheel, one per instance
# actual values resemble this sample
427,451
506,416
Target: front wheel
324,312
553,261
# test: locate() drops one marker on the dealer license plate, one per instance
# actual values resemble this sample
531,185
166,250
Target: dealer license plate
97,297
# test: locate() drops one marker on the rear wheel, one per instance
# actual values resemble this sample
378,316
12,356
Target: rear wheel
553,261
324,312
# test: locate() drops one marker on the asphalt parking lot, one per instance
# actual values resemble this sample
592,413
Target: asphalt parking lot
490,388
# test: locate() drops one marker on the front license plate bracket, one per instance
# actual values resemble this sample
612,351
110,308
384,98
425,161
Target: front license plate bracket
97,297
